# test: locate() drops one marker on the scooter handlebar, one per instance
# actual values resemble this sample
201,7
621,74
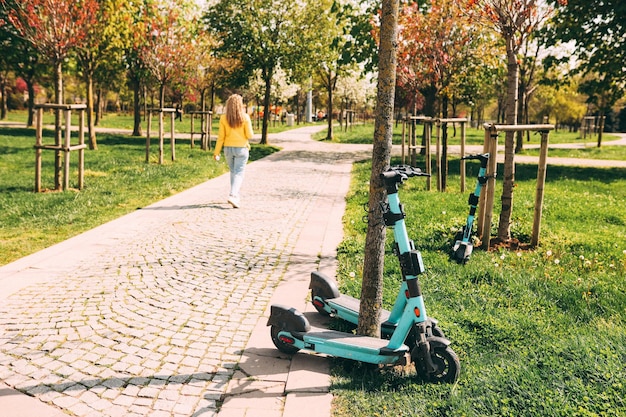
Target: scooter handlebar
482,157
404,172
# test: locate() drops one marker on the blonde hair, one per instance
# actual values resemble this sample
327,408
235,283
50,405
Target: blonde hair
235,110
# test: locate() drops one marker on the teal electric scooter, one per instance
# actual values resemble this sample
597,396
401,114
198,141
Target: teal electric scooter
433,358
463,245
328,301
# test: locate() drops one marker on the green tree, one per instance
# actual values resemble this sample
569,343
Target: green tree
340,46
264,35
598,29
102,47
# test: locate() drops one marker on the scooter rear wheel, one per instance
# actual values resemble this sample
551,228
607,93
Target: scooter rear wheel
319,309
280,345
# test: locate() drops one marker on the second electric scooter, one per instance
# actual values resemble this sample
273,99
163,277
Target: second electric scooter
433,358
463,246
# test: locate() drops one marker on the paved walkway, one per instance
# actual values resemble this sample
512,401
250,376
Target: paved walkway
163,312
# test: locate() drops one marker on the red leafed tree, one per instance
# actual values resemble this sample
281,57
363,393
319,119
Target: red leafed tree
515,21
437,44
54,27
168,48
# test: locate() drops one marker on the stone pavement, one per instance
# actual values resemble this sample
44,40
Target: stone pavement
163,312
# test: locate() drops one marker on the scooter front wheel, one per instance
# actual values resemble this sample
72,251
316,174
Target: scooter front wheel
447,365
281,345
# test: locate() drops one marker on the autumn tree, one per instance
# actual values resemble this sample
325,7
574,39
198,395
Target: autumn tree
54,28
208,70
515,21
439,45
23,59
373,263
168,49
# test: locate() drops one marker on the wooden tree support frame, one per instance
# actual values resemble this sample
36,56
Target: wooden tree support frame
62,145
206,127
172,112
409,128
485,216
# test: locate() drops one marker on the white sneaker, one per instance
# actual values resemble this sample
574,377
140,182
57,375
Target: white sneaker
234,201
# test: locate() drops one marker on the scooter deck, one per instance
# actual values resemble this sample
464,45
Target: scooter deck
319,337
353,305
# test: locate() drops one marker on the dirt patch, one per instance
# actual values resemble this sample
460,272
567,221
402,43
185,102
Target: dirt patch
496,244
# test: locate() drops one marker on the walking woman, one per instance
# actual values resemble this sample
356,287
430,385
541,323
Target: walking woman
234,132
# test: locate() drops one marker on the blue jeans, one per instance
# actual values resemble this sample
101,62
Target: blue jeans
236,158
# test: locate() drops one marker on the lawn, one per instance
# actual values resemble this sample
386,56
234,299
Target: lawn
117,181
538,332
364,134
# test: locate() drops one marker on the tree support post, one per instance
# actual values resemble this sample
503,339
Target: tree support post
541,180
491,139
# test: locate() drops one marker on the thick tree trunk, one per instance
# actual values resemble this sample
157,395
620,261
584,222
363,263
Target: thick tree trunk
504,226
373,263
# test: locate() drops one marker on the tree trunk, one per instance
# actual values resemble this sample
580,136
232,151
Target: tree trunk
329,110
100,107
134,79
504,226
162,95
91,129
31,102
600,127
519,141
3,98
373,263
266,105
58,96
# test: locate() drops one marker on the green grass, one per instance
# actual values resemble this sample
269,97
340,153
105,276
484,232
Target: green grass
117,181
591,152
538,333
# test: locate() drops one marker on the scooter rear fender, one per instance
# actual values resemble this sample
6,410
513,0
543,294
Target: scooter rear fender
288,319
323,286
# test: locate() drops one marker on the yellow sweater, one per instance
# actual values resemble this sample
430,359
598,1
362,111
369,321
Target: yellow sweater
235,137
